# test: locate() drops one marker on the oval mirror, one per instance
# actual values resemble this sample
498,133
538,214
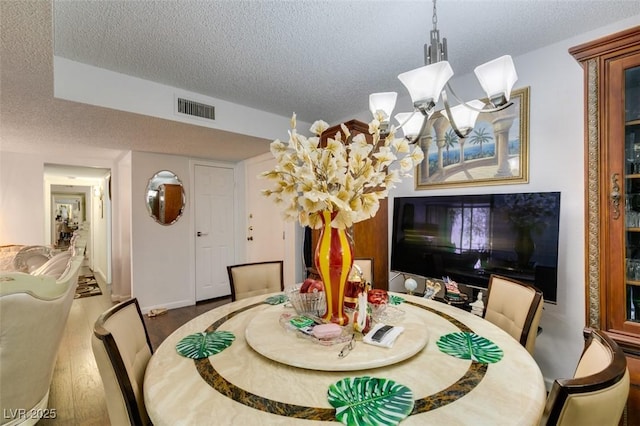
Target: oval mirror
165,197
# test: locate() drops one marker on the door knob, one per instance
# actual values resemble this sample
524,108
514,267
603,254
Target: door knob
201,234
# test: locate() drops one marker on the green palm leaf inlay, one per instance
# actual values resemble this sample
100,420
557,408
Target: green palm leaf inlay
370,401
203,345
277,299
470,346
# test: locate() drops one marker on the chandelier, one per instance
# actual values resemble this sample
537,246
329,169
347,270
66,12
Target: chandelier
428,83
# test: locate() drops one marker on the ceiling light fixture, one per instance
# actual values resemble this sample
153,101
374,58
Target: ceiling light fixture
426,84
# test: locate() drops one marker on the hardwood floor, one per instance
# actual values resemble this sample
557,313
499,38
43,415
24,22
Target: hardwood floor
76,389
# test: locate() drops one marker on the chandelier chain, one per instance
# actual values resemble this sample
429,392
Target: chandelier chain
434,19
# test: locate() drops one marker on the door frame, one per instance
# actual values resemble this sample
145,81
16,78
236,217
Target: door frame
85,186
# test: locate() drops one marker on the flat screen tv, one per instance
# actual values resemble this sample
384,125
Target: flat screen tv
469,237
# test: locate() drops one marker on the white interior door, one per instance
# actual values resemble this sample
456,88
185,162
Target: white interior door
265,230
269,237
214,215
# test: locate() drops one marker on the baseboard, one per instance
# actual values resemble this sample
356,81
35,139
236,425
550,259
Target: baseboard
101,274
117,298
172,305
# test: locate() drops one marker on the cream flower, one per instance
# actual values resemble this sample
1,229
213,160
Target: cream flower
348,175
318,127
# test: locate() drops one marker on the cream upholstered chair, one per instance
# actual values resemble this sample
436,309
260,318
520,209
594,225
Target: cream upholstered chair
122,350
366,266
598,392
515,307
252,279
33,316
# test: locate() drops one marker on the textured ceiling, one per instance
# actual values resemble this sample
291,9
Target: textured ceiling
320,59
32,121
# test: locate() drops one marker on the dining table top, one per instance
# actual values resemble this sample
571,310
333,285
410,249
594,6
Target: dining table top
272,375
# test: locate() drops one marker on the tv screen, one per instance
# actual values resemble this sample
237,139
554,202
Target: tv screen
469,237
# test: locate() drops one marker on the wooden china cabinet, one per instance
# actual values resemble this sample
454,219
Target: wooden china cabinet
369,236
612,180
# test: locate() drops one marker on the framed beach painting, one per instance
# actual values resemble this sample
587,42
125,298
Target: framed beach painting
495,152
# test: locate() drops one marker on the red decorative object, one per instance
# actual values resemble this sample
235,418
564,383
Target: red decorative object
333,259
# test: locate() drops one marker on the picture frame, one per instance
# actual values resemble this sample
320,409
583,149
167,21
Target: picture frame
496,152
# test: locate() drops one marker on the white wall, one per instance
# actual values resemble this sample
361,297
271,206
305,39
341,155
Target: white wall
100,224
160,274
121,221
21,199
84,83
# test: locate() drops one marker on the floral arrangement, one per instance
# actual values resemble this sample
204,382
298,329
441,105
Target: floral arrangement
348,177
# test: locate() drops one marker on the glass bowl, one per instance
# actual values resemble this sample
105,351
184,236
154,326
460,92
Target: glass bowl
307,303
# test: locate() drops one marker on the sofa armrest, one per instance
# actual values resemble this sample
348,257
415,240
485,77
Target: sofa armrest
41,287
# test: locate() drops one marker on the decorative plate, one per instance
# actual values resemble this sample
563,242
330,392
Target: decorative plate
203,345
470,346
277,299
370,401
395,300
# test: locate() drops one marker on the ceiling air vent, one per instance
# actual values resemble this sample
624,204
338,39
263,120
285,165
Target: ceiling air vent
196,109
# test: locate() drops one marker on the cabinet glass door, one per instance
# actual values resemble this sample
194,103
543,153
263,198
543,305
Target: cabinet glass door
632,196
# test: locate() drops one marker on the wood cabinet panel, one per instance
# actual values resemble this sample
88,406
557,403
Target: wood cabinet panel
612,200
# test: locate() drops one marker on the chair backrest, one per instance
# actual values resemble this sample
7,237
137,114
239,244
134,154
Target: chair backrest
598,392
122,350
516,307
366,266
252,279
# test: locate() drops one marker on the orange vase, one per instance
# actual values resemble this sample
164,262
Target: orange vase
333,259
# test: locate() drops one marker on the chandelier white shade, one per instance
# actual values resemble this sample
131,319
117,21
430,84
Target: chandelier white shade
385,102
410,122
464,117
425,84
497,78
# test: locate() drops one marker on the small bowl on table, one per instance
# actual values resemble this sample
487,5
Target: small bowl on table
313,303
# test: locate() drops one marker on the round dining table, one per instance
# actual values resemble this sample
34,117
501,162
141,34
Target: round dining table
272,374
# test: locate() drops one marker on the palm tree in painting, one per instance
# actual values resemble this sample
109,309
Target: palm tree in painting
450,139
480,136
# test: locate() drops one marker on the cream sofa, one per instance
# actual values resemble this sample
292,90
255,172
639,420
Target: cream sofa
21,258
33,315
28,258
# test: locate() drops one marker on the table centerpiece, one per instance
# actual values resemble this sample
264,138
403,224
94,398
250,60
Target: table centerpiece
330,187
